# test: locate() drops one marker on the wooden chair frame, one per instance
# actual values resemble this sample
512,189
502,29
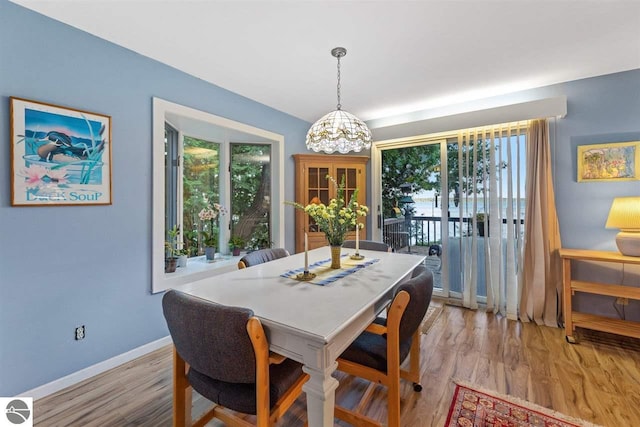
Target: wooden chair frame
182,391
394,371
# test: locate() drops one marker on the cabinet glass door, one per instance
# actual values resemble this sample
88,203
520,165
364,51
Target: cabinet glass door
350,177
317,190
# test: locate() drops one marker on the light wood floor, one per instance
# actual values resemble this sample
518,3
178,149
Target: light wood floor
597,380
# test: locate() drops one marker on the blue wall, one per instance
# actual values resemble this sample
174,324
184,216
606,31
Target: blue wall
65,266
600,110
61,267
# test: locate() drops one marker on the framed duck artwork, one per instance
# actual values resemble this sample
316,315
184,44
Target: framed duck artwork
59,155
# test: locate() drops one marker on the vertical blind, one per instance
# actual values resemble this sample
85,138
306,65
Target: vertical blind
491,176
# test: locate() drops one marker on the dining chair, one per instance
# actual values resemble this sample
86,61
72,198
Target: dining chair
377,353
371,245
222,353
261,256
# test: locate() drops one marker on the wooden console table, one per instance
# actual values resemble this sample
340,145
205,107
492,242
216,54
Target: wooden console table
592,321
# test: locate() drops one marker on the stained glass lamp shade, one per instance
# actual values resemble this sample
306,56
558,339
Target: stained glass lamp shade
339,130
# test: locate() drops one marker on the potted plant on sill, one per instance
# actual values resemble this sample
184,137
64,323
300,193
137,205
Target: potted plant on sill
236,244
171,250
210,247
209,216
183,256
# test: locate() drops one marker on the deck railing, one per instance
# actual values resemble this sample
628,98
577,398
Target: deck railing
425,230
396,233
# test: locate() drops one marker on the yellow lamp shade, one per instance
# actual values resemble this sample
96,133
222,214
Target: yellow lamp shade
625,215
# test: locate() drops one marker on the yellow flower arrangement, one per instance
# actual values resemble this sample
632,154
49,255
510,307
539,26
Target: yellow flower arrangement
338,217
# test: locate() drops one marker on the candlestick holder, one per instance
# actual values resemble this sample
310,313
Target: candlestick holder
357,256
305,276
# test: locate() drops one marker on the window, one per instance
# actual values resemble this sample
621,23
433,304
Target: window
200,158
200,173
251,194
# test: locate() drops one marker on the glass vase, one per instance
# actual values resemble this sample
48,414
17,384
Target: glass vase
335,256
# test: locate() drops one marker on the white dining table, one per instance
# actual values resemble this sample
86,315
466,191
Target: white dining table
312,324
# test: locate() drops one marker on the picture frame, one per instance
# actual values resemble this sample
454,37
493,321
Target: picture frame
617,161
60,156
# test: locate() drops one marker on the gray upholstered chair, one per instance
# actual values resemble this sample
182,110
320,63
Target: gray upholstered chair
377,353
223,353
261,256
370,245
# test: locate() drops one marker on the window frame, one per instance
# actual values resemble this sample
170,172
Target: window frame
198,124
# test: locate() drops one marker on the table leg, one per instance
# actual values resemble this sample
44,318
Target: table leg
320,390
566,286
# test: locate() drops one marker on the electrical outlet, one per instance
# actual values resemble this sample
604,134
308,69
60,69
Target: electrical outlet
80,333
622,301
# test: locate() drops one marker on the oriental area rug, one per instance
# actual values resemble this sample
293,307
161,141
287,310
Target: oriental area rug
474,407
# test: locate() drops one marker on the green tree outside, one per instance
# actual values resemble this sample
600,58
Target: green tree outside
420,166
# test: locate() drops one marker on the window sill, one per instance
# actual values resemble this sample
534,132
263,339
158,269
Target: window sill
200,264
198,268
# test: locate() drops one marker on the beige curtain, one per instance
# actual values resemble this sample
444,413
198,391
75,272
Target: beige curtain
541,299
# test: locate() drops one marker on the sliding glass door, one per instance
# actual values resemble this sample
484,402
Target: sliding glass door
458,199
413,203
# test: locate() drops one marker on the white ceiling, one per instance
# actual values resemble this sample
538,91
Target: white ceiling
402,56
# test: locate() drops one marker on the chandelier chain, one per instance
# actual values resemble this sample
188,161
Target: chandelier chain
339,106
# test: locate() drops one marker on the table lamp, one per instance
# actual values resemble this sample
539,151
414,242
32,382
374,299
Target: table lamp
625,215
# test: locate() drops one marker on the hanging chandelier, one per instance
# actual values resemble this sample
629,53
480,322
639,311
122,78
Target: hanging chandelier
339,130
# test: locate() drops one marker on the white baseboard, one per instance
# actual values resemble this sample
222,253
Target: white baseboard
98,368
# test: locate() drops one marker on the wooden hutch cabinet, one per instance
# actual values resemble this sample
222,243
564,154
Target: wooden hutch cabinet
311,181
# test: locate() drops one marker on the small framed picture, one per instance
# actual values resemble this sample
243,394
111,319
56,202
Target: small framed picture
609,162
60,156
